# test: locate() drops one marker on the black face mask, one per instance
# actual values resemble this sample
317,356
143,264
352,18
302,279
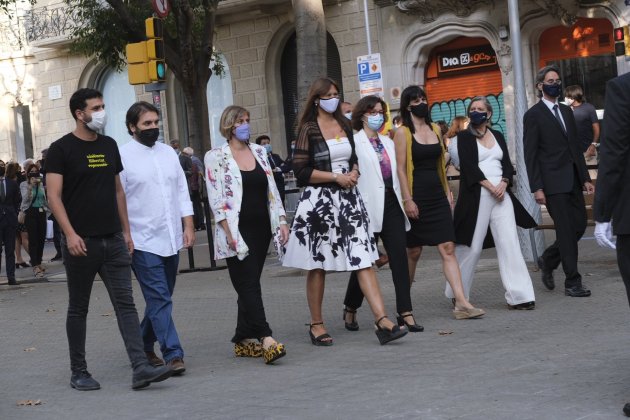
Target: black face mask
421,110
148,137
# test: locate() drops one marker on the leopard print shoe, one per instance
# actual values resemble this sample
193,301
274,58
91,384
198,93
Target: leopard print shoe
274,352
248,349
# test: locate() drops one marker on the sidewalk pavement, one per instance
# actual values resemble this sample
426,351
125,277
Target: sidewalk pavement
568,359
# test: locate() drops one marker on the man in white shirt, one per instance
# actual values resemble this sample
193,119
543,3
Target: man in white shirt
158,204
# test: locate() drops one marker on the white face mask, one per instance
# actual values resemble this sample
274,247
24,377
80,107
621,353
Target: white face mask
348,115
568,101
329,105
99,119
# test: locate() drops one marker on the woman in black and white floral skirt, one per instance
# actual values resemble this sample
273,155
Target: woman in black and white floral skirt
331,229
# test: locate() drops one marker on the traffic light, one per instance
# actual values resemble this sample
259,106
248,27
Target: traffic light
622,40
145,60
155,49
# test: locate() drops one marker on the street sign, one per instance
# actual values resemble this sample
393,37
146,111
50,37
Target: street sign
161,7
370,75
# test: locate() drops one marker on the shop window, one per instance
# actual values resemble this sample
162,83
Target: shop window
219,93
288,75
591,73
118,96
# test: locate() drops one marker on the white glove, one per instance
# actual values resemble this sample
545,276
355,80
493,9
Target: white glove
604,236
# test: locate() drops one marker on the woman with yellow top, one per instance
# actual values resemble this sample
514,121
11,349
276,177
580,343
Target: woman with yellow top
425,192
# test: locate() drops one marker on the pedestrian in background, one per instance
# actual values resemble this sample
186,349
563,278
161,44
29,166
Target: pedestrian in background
88,201
247,211
331,229
9,206
196,188
380,190
34,213
486,201
557,177
14,173
422,172
275,161
158,204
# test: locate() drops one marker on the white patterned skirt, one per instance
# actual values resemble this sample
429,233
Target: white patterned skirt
330,231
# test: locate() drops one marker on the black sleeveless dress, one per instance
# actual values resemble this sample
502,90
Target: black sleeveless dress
435,225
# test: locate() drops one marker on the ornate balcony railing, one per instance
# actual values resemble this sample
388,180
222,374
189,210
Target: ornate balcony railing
42,26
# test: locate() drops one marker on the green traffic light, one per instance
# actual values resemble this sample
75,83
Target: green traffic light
161,70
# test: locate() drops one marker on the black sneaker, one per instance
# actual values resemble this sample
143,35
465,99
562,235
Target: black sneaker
83,381
57,257
147,374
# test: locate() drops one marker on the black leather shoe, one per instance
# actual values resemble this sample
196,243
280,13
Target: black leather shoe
148,374
626,410
526,306
12,282
83,381
547,275
57,257
577,291
400,319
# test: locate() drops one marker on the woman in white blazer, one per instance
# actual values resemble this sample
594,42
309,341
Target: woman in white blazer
247,212
380,189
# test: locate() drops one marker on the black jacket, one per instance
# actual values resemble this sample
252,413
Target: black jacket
10,206
467,207
612,194
551,156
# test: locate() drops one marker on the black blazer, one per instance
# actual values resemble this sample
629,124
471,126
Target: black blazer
10,206
551,156
612,195
467,207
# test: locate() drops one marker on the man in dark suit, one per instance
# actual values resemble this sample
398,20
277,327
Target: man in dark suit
9,206
557,176
612,199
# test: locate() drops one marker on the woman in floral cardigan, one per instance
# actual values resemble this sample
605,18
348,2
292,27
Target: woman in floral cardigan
248,211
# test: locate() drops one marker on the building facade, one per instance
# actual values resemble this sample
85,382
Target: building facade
456,49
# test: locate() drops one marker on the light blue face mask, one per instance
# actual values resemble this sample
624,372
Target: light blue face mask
268,148
242,132
375,121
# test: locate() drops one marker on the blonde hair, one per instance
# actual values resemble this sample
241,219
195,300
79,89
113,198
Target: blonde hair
230,115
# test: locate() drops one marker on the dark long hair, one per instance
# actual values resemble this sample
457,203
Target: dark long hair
410,94
319,88
365,105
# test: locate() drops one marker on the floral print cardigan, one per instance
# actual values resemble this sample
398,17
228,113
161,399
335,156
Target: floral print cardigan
225,194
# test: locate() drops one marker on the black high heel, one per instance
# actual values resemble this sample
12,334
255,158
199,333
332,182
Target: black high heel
411,327
320,340
350,326
385,336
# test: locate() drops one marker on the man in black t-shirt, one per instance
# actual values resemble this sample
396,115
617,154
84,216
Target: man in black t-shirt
88,201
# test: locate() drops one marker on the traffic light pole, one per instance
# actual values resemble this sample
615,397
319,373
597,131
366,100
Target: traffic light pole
156,90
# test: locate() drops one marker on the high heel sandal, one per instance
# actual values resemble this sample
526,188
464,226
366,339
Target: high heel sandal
411,327
273,352
350,326
385,336
320,340
250,349
38,273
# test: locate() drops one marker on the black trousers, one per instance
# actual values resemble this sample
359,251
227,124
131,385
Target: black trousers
56,234
198,218
7,240
109,257
245,277
35,222
394,240
623,260
569,217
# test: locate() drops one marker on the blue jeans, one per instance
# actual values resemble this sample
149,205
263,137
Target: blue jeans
156,276
108,256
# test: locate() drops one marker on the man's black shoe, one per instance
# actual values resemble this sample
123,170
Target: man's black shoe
577,291
547,275
626,410
148,374
12,282
527,306
57,257
83,381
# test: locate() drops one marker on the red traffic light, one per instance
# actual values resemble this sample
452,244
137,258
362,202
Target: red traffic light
618,34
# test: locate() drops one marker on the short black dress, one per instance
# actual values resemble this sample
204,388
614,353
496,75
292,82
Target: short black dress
435,225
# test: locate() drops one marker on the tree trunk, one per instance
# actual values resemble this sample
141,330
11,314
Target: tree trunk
310,28
197,118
